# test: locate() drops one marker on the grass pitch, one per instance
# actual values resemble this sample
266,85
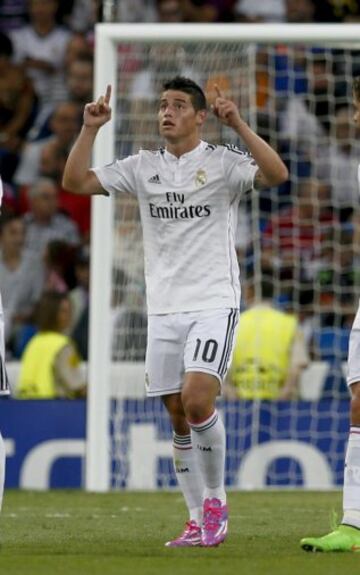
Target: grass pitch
74,533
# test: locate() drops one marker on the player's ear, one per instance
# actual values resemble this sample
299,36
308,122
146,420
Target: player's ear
201,117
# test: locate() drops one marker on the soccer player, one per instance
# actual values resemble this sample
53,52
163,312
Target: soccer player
188,193
4,384
347,536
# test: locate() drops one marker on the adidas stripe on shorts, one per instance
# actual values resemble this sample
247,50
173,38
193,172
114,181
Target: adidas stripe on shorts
190,341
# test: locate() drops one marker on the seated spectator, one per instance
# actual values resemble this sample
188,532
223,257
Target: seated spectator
164,61
79,295
305,119
21,278
40,47
80,301
208,10
44,222
300,11
77,47
58,266
269,352
77,207
64,126
13,14
292,239
17,101
50,366
337,162
337,11
80,79
169,11
250,11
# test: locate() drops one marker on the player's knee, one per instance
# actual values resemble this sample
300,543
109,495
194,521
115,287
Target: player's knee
196,408
355,404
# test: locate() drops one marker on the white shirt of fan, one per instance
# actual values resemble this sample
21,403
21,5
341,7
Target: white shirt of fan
188,209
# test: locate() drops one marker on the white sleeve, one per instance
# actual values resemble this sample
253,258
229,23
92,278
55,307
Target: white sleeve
120,176
17,39
239,168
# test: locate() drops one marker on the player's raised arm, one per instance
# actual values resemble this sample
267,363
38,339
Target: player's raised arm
77,177
272,170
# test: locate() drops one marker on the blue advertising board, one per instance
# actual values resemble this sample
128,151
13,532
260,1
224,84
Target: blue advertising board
268,443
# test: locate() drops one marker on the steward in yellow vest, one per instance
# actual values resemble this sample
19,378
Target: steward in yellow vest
50,363
37,366
269,350
262,352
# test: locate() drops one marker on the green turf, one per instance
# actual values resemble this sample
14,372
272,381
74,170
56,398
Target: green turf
76,533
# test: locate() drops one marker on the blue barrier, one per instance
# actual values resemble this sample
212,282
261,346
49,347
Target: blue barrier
269,443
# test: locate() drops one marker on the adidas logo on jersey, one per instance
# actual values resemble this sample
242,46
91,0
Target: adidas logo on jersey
155,179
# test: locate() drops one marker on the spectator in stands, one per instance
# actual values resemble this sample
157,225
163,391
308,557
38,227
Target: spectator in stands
40,47
208,10
269,352
250,11
13,14
58,266
305,120
17,101
292,239
337,162
50,366
164,61
135,11
76,207
81,15
80,80
300,11
339,11
78,47
21,278
79,297
129,317
64,125
169,11
43,222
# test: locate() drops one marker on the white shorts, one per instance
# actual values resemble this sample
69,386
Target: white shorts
353,366
4,382
183,342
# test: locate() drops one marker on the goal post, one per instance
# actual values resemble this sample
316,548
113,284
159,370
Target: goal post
107,40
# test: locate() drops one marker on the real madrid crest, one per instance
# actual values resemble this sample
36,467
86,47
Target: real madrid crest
200,178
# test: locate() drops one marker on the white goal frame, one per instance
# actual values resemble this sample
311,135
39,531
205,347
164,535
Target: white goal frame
97,476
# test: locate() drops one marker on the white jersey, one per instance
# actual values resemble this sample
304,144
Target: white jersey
188,209
1,197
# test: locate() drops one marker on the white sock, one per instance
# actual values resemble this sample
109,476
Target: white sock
351,496
188,475
2,469
209,440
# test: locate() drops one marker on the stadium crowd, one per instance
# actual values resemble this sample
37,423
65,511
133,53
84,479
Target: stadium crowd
310,227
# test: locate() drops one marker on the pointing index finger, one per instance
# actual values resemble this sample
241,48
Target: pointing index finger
107,94
218,91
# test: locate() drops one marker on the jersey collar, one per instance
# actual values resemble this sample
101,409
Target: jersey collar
188,156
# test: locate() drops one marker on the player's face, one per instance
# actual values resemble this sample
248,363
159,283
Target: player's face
177,117
356,102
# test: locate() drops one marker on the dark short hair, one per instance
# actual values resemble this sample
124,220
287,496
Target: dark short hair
6,219
356,87
190,87
47,310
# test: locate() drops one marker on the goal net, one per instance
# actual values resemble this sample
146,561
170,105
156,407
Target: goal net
293,86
